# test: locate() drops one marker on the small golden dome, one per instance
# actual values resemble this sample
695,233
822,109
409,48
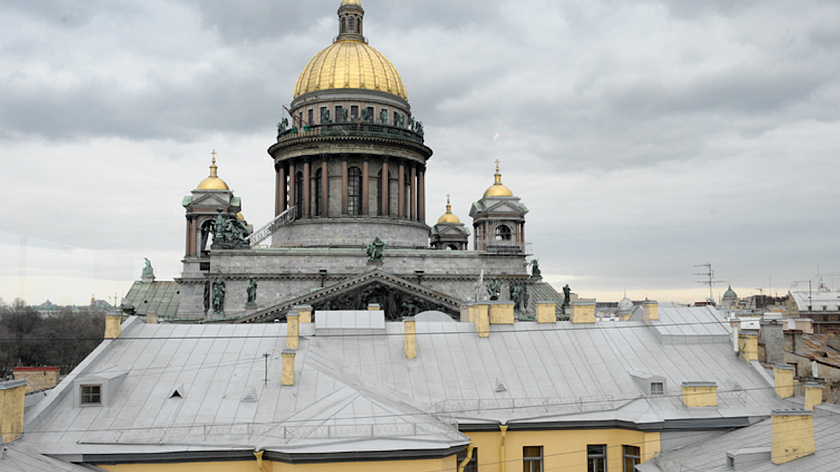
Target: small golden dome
240,216
355,3
213,182
448,217
350,64
498,190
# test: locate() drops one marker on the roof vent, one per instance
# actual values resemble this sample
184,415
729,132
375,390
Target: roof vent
179,392
746,458
500,387
250,395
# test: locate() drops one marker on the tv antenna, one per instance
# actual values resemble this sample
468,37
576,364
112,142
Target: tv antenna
711,276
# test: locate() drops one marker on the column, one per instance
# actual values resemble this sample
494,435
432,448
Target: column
292,187
325,186
401,189
413,191
345,197
366,185
421,194
189,237
280,189
386,185
306,189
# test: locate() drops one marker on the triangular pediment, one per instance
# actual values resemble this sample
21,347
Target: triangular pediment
210,200
397,296
505,207
454,230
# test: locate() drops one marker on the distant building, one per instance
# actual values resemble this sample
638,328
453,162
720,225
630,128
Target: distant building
822,306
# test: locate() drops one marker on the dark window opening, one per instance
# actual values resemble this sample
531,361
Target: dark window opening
532,459
344,25
354,191
298,194
632,458
369,114
352,25
657,388
354,112
310,117
91,394
503,233
596,458
339,114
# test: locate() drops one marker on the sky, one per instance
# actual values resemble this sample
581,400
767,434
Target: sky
645,137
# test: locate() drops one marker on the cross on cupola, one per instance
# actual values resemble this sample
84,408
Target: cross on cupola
350,18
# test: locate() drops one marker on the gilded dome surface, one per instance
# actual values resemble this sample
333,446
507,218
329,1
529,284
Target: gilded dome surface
497,189
355,3
213,182
350,64
448,217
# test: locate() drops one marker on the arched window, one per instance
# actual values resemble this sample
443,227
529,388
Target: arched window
354,191
352,25
502,233
344,25
206,235
452,247
298,194
316,182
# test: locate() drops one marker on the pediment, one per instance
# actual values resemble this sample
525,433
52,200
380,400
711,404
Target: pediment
210,200
397,296
505,207
454,230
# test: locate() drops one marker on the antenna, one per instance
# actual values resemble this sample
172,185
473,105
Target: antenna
711,275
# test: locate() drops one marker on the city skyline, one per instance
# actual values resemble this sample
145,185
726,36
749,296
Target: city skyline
645,139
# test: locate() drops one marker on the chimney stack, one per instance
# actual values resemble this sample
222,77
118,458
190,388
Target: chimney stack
305,313
793,435
783,374
650,311
546,312
583,312
410,338
748,344
288,378
292,329
699,394
813,395
11,410
482,319
113,328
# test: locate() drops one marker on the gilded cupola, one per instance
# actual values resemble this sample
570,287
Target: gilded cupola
497,189
213,182
448,217
350,63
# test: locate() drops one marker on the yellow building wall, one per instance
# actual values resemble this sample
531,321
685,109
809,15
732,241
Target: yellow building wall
562,450
437,465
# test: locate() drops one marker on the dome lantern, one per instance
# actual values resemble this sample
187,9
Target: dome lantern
213,182
350,18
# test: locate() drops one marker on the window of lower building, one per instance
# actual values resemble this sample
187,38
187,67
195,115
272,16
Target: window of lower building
532,459
596,457
91,394
472,465
632,458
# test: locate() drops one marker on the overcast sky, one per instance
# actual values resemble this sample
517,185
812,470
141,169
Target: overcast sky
645,137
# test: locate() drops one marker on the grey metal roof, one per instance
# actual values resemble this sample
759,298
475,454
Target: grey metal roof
710,454
355,390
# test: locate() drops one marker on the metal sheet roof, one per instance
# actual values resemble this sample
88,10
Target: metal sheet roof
160,298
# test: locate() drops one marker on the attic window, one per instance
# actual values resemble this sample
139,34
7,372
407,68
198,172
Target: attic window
657,388
91,394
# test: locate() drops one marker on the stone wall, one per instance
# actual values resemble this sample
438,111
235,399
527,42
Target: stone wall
353,232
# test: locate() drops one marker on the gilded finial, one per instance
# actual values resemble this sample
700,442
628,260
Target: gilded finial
448,205
213,167
498,174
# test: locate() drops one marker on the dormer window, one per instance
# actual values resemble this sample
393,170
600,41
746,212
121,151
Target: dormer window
91,394
657,388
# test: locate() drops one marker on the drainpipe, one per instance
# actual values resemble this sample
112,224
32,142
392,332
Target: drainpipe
259,456
503,428
466,461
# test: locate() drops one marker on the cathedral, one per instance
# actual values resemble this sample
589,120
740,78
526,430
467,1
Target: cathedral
350,230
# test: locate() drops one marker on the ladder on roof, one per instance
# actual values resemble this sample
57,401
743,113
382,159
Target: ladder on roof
261,234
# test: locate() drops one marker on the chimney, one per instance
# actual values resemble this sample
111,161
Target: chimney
546,312
482,319
465,313
783,373
151,318
774,339
502,312
373,307
288,367
793,435
813,395
699,394
113,330
796,341
748,344
305,313
650,311
410,338
292,329
583,312
12,394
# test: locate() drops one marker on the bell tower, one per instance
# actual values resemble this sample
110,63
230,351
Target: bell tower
499,220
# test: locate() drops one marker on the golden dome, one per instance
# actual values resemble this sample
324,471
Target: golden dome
355,3
350,64
213,182
448,217
498,190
